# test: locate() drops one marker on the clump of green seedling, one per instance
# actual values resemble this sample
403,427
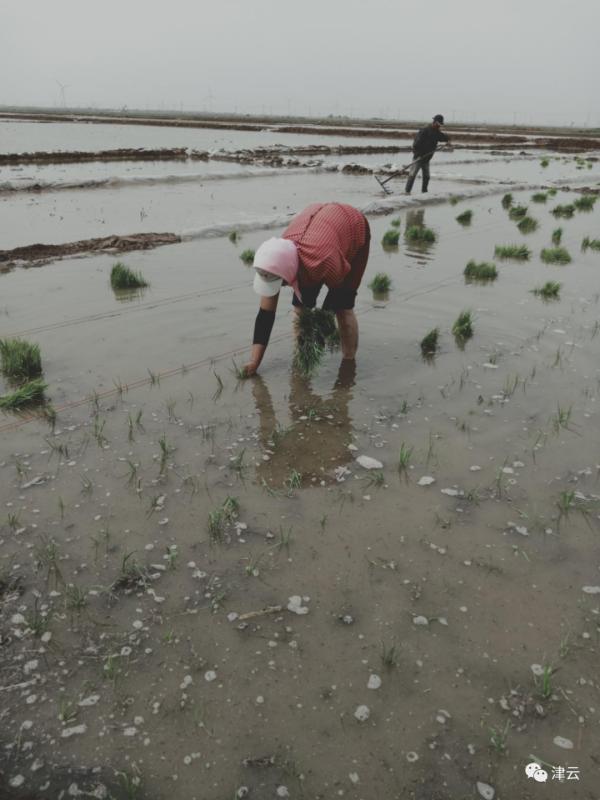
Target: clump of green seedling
429,343
166,450
465,218
381,283
552,192
483,271
389,655
247,256
454,201
28,394
557,236
121,277
463,326
545,684
316,331
539,197
555,255
390,238
544,162
498,738
419,233
219,518
549,291
520,252
234,237
293,481
517,212
404,457
507,201
131,576
585,202
527,225
20,360
395,223
592,244
565,210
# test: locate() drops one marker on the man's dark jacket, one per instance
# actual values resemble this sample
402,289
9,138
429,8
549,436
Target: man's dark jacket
426,141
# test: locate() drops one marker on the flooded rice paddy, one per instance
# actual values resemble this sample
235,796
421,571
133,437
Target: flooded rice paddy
204,594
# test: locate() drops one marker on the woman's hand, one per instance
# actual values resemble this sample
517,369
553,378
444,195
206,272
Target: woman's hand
250,369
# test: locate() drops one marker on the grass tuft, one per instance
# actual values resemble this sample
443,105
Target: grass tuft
317,331
247,256
592,244
517,212
429,343
234,237
21,360
544,162
549,291
555,255
390,238
585,202
565,210
395,223
539,197
557,235
527,225
518,251
419,233
465,218
121,277
463,326
28,394
381,283
507,201
480,272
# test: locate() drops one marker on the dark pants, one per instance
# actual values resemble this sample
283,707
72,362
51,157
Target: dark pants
423,165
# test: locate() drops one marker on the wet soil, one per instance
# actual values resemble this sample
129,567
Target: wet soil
120,154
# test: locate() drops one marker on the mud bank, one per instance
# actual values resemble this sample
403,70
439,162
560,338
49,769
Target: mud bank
121,154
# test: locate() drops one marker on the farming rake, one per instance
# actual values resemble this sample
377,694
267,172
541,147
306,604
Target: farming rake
402,171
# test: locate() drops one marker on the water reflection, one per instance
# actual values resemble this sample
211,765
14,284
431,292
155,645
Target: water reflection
129,295
418,251
316,440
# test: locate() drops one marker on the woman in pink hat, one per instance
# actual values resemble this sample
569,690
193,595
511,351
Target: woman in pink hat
327,244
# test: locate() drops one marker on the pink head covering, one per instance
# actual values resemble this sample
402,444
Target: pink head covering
278,257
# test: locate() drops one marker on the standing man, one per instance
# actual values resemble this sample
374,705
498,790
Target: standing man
424,145
327,244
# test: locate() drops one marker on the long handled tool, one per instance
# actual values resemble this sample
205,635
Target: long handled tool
402,171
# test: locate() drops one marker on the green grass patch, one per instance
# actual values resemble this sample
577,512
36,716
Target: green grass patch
555,255
549,291
463,326
28,394
390,238
454,200
419,233
585,202
429,343
591,244
544,162
483,271
317,331
507,201
247,256
395,223
527,225
517,212
381,283
520,252
121,277
566,210
539,197
20,360
557,235
465,218
234,237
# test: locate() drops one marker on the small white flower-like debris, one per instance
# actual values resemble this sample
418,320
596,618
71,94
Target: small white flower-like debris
137,624
485,790
537,670
295,605
353,777
366,462
489,365
340,473
352,447
426,480
91,700
17,619
16,781
282,791
591,589
374,681
420,620
130,731
560,741
518,528
185,682
39,479
74,730
163,521
242,792
210,675
475,468
362,713
30,666
411,756
452,492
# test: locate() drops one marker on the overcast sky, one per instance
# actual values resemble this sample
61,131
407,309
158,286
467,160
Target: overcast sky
510,60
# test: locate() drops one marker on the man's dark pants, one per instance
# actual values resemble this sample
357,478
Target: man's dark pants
423,165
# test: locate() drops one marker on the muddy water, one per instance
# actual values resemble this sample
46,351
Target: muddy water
179,691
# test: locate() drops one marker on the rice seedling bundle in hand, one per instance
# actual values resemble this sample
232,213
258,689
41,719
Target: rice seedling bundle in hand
555,255
316,332
20,360
565,210
517,212
419,233
121,277
557,235
463,326
527,225
390,238
517,251
585,202
507,201
539,197
465,218
247,256
381,283
549,291
429,343
26,395
593,244
480,272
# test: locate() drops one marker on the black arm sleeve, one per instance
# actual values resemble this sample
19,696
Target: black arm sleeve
442,137
263,326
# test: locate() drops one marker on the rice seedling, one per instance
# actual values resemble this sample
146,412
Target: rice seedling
219,390
404,457
219,518
252,567
12,520
293,481
507,201
234,237
61,507
98,432
544,162
454,201
376,479
171,556
483,271
30,393
20,360
549,291
389,655
381,283
67,711
557,236
591,244
154,377
316,331
247,257
565,210
121,277
520,252
429,343
555,255
498,738
463,326
395,223
545,684
465,218
419,233
585,202
45,555
87,487
539,197
75,598
131,575
390,238
166,450
37,621
517,212
170,404
552,192
58,448
527,225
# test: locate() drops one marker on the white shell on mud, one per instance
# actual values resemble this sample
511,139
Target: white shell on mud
362,713
591,589
369,463
295,605
374,682
420,620
426,480
560,741
485,790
